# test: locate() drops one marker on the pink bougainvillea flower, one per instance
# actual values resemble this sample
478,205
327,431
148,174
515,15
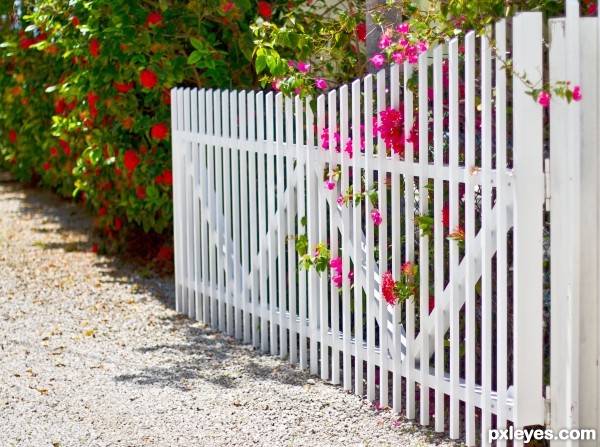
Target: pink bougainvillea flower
361,31
154,18
148,78
228,7
159,131
376,216
387,288
577,93
12,135
544,99
592,8
95,47
320,83
131,160
329,184
377,60
384,41
337,280
351,276
264,9
403,28
349,149
391,130
398,57
303,67
336,264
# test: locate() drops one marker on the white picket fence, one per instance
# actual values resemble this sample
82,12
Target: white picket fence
248,167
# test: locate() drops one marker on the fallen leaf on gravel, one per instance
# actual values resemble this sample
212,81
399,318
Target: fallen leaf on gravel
236,403
42,391
89,333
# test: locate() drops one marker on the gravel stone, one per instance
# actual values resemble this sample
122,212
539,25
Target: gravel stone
93,354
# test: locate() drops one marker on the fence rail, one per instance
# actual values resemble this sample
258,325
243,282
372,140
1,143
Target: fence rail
467,347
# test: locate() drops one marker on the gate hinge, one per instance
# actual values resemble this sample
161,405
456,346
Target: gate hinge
547,408
547,183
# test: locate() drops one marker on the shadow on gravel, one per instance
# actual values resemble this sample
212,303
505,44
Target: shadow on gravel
207,352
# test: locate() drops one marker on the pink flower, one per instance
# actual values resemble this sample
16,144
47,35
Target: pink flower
228,7
351,276
391,130
408,268
325,138
398,57
422,46
341,200
387,288
376,216
337,280
577,93
329,184
303,66
377,60
544,99
384,41
336,264
348,148
403,29
320,83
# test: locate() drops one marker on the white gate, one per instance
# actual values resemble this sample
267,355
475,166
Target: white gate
249,172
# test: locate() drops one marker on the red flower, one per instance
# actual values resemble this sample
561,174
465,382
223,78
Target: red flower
159,131
431,303
148,78
95,47
95,248
53,152
387,288
166,97
60,106
165,254
74,21
118,223
102,211
228,7
46,166
26,43
141,192
167,177
124,87
361,31
445,216
154,18
408,268
265,10
131,160
65,146
12,135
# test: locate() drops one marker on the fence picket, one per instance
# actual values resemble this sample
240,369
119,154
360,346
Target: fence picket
301,198
195,309
291,213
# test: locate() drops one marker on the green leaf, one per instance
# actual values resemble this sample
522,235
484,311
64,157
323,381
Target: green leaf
261,63
198,44
194,58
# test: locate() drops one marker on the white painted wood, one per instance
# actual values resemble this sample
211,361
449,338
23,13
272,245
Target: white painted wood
203,180
290,217
502,238
438,236
280,235
470,251
357,229
424,238
302,213
396,254
333,306
370,283
195,305
528,235
346,243
454,219
228,287
486,207
177,212
409,249
245,244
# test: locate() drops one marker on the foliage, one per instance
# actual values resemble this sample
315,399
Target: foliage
85,101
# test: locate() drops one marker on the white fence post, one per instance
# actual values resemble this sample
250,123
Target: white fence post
575,167
528,232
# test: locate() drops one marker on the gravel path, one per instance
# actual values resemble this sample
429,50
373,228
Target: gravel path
92,354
